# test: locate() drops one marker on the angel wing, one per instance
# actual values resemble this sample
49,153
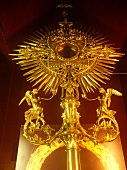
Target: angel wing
27,98
22,100
111,91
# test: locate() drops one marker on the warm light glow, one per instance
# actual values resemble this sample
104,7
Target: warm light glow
40,154
69,58
43,151
103,154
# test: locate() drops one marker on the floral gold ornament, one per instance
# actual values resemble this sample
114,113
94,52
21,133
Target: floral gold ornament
38,157
68,58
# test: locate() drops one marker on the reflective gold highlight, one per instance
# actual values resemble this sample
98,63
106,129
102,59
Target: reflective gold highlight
40,154
104,155
43,151
69,58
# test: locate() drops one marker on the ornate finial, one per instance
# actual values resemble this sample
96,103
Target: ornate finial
64,6
68,58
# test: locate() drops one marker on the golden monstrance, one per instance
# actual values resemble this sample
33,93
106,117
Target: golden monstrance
68,58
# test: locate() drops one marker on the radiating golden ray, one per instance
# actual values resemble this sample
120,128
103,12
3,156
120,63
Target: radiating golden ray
85,85
37,72
93,80
47,68
103,71
81,85
27,63
49,85
29,66
36,76
32,71
103,65
89,81
56,83
34,40
29,43
95,75
45,81
100,75
31,61
41,79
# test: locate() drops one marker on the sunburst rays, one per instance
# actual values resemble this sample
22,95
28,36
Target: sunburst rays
93,64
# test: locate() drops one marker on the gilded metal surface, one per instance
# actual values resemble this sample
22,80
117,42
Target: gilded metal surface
46,58
39,156
73,158
71,131
68,58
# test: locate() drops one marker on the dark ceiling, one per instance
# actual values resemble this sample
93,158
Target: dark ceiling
107,16
18,19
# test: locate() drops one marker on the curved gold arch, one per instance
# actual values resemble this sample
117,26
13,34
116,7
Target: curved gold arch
40,154
103,154
43,151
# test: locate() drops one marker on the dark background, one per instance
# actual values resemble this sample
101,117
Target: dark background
18,19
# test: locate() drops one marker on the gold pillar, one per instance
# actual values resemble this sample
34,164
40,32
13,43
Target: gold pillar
73,158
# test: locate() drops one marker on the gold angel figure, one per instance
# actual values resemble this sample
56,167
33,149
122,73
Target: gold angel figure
105,101
30,98
36,111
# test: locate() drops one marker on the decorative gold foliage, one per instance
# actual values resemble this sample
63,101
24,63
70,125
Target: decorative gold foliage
46,58
43,151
